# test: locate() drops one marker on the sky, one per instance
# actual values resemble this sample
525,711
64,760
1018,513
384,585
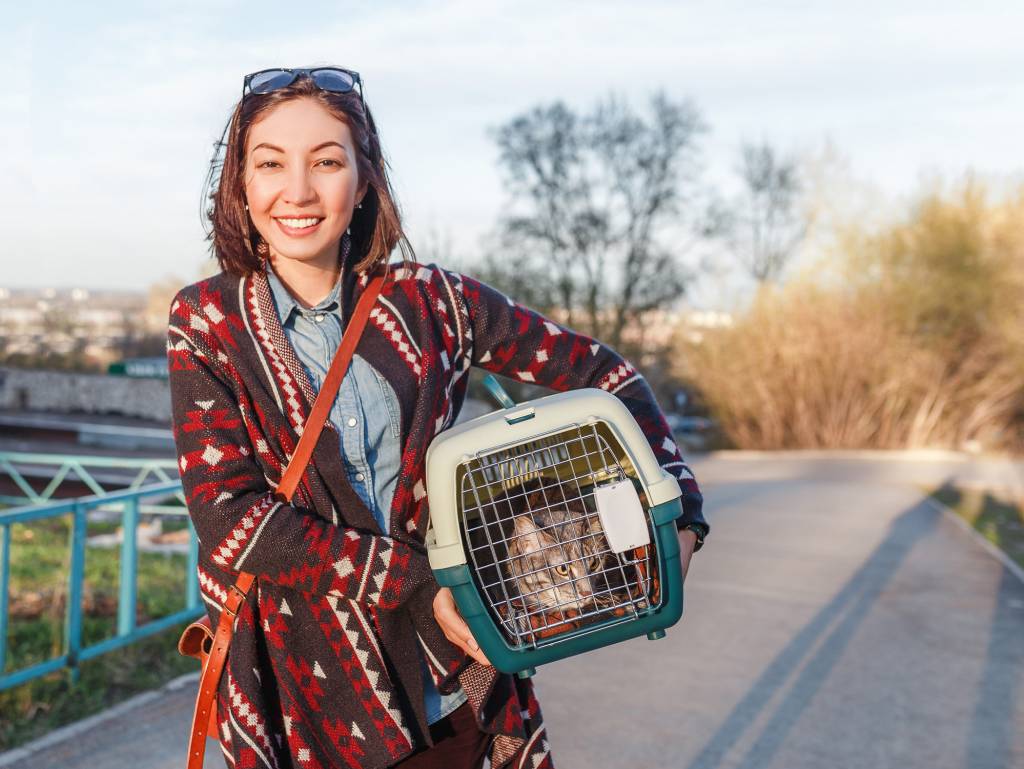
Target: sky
110,109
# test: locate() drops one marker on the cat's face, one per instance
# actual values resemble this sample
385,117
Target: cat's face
553,557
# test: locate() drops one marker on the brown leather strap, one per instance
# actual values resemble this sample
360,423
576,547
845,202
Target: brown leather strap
204,721
204,718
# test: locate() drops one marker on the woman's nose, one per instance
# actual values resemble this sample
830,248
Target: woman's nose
299,189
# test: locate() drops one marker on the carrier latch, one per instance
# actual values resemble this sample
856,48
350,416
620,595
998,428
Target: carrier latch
622,516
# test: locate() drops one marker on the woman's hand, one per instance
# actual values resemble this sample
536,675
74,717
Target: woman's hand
455,628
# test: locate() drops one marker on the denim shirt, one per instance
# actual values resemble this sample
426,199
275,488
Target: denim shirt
366,416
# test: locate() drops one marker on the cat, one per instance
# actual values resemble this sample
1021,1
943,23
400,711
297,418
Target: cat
542,559
555,559
555,551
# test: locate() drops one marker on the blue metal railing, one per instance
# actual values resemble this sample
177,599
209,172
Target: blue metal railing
124,472
74,653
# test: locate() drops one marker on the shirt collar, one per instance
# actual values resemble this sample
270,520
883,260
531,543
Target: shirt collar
287,305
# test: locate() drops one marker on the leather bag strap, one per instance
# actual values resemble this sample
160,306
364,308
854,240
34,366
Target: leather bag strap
209,680
203,717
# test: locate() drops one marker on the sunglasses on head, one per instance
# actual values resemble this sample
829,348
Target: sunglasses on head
333,79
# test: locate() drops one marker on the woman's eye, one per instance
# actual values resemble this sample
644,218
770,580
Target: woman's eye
331,160
267,163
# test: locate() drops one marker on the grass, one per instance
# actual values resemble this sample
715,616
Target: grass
998,519
40,556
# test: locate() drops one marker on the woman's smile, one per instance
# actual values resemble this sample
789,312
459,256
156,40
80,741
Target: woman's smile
298,228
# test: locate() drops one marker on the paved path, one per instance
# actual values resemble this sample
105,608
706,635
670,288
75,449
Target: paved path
834,620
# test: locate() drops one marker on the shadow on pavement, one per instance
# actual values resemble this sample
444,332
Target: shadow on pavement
837,623
990,742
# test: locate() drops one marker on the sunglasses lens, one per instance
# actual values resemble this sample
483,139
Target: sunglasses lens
265,82
333,80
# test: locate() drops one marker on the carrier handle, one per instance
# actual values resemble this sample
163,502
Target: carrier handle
498,392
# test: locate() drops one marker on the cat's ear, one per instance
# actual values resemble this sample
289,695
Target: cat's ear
528,539
524,526
535,499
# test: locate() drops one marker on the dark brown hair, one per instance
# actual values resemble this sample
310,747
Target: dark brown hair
376,226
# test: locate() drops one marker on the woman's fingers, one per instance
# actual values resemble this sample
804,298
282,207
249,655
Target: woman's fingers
458,632
454,627
474,650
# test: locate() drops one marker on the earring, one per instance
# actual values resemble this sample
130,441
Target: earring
246,206
359,204
346,246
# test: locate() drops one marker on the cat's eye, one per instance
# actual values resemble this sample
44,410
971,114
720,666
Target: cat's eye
562,570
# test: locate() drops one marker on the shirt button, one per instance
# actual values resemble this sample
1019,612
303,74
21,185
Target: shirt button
359,476
351,421
319,317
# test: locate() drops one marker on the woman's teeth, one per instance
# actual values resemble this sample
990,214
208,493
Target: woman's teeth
299,223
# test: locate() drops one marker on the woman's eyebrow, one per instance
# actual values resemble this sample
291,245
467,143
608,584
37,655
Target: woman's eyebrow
317,148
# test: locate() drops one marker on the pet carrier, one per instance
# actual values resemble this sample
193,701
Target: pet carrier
554,527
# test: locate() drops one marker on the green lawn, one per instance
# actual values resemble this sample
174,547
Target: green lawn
39,565
998,519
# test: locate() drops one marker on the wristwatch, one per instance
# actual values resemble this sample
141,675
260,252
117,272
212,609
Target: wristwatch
699,530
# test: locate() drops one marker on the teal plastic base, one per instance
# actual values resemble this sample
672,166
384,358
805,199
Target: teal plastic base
523,660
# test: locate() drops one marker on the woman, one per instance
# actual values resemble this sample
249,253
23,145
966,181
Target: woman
347,652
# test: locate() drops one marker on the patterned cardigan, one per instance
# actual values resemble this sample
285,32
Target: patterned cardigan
324,669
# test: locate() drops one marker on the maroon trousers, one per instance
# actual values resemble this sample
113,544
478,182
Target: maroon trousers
458,744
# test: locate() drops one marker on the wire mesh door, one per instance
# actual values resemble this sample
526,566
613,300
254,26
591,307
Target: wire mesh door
535,541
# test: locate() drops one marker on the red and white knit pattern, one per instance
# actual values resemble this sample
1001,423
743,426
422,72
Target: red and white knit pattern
618,377
247,530
352,648
211,587
249,725
396,333
289,387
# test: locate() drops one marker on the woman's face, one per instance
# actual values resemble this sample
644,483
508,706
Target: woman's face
301,182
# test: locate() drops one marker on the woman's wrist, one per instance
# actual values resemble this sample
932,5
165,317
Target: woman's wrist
697,529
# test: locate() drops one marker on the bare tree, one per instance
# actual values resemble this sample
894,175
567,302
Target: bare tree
602,210
764,225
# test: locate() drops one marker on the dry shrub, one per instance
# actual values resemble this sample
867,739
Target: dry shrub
920,345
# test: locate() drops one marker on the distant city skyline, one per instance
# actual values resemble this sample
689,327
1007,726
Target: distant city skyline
112,110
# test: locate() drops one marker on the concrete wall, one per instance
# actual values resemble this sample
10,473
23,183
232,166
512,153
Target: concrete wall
57,392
